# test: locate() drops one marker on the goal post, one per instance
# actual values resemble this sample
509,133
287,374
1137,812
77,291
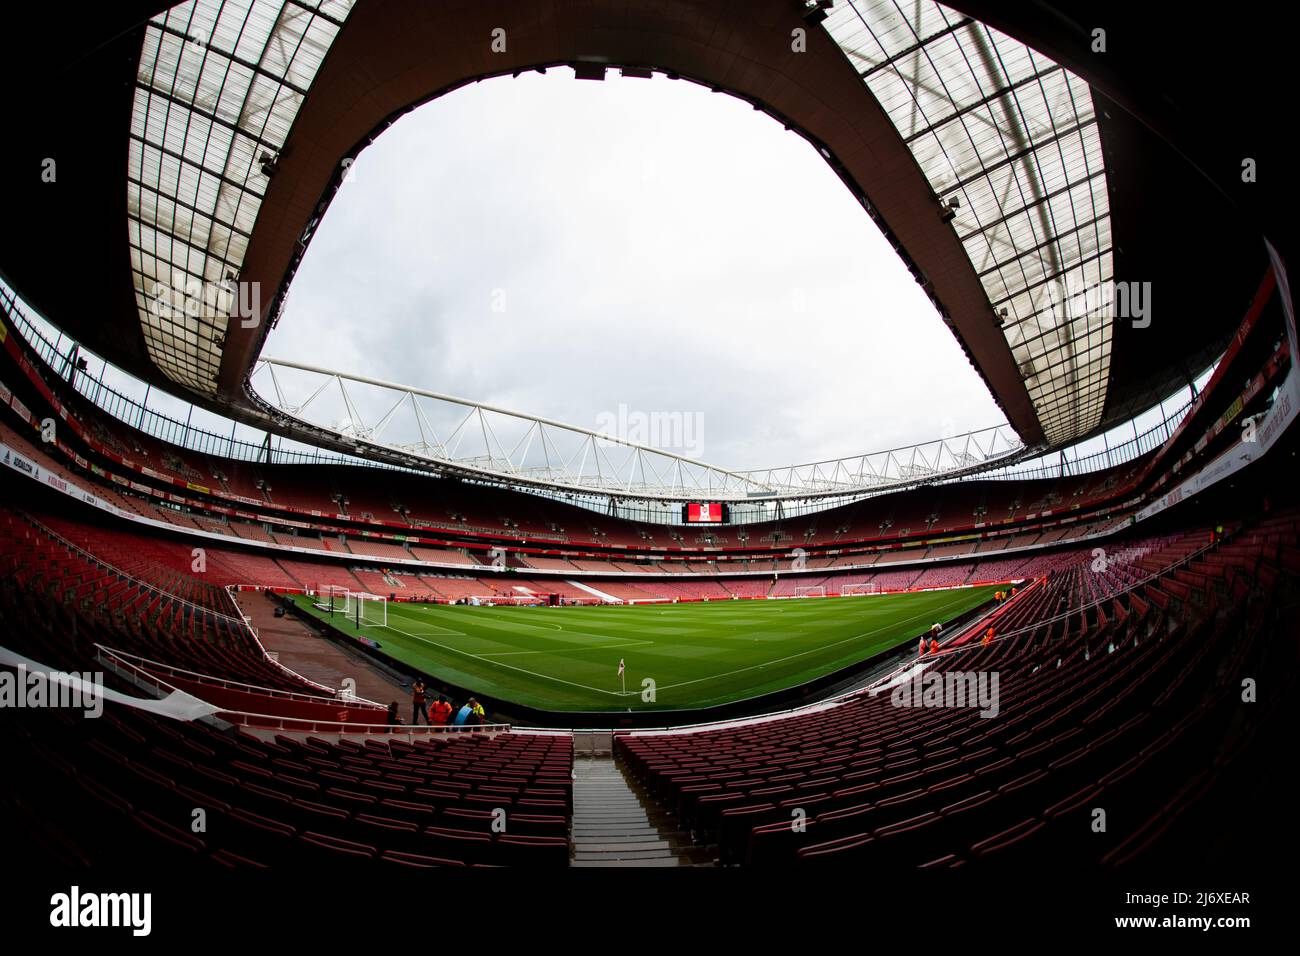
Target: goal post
857,590
810,590
333,598
371,610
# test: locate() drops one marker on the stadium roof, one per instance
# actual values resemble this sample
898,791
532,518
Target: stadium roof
1011,138
224,124
217,89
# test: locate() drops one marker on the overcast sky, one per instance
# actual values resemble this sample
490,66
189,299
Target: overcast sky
565,248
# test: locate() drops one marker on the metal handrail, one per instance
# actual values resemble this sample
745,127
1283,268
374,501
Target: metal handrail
277,693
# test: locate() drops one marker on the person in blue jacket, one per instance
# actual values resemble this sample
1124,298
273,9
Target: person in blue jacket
462,715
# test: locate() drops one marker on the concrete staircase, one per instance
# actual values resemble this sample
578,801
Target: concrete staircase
615,825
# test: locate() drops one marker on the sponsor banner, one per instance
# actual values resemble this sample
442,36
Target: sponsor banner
202,489
288,522
950,540
1282,413
1241,454
21,409
8,458
1231,413
5,394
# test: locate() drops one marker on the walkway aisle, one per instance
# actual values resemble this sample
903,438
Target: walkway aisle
614,825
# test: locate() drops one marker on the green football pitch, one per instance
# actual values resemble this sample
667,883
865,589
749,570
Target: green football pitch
694,655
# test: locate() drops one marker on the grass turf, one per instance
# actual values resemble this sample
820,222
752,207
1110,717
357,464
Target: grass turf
697,655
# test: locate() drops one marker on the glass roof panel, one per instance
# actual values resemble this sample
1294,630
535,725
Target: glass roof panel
1012,137
218,87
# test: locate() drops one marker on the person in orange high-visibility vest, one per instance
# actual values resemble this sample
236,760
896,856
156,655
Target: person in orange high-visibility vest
934,646
921,649
441,711
988,638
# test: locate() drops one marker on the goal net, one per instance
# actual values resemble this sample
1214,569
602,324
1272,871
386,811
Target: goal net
331,597
370,609
810,590
856,590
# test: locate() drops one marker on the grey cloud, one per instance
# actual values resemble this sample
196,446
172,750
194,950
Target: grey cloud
652,240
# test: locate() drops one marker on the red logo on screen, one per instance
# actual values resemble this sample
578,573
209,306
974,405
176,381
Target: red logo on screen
706,512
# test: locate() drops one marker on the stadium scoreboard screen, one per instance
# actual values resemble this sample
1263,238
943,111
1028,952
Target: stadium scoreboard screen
705,512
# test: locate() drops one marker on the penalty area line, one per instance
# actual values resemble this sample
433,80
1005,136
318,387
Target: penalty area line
566,650
522,670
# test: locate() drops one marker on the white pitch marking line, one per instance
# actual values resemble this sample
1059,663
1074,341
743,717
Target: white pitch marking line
782,660
565,650
614,693
547,626
456,650
445,630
